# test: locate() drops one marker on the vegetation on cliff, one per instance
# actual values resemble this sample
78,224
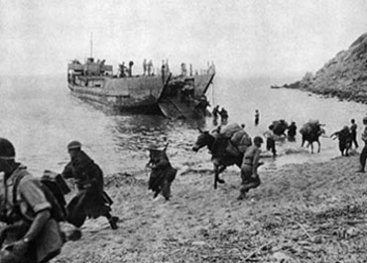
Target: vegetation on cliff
344,76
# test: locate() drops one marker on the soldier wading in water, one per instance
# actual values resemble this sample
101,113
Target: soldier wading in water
90,201
32,234
162,174
250,163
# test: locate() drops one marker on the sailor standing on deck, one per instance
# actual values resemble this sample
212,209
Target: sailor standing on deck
257,117
150,68
144,66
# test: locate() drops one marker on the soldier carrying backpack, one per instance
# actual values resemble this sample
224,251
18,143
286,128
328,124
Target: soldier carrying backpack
162,173
32,234
91,200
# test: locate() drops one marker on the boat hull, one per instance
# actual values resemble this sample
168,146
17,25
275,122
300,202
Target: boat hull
120,93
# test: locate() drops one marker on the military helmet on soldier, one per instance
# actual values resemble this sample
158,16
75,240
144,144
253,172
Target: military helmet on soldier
153,147
73,145
7,150
258,140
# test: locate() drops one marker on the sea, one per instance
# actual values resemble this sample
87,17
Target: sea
41,116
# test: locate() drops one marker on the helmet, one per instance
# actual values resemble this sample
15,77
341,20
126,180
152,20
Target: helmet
258,139
153,147
7,150
74,145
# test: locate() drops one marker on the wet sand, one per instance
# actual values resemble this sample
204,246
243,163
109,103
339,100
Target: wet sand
300,213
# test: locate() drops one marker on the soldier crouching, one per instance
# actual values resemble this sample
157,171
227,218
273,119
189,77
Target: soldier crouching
162,174
250,163
91,200
32,235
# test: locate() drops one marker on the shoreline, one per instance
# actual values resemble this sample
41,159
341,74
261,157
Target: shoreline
358,96
309,211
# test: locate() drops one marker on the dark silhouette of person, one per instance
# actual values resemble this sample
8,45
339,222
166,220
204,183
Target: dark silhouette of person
162,174
353,131
270,140
257,117
224,115
363,156
131,64
292,131
345,140
250,163
215,112
91,200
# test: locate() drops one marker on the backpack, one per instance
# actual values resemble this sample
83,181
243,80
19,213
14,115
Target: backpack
54,188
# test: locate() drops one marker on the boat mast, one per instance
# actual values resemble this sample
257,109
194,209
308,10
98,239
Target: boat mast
91,45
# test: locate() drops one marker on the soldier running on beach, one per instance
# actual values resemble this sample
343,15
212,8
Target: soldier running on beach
250,163
31,235
162,174
91,200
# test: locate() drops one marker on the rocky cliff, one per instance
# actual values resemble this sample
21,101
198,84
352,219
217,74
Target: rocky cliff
344,76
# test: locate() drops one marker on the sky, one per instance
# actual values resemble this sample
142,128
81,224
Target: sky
243,38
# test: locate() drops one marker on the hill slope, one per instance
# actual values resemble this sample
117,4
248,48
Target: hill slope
344,76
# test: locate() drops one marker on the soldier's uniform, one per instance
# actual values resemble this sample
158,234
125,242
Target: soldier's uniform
162,174
249,179
26,238
363,156
91,201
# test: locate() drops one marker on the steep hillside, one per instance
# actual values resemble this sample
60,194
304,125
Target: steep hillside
344,76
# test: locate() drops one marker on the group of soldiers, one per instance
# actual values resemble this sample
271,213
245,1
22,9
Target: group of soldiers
251,156
347,137
223,113
32,210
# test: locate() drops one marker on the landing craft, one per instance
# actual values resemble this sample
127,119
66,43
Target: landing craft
182,96
94,81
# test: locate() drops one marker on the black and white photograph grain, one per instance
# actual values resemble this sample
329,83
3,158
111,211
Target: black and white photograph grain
183,131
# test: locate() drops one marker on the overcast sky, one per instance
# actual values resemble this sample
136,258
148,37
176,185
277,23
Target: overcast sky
243,38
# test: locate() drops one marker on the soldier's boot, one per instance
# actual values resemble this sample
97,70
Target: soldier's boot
166,189
243,192
113,221
73,235
156,193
